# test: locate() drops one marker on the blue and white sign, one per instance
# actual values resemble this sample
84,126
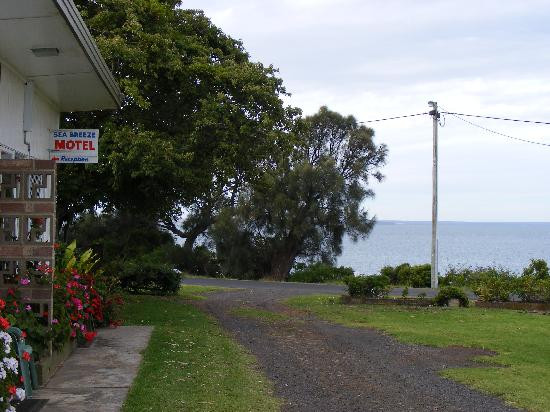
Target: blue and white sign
75,145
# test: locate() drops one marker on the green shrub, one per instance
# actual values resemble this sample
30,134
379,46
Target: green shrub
416,276
144,276
319,273
199,261
402,274
458,277
451,292
368,286
391,273
538,268
420,276
529,288
493,285
496,285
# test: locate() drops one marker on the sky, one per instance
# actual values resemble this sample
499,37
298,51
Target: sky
375,59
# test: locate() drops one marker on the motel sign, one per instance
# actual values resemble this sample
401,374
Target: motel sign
75,145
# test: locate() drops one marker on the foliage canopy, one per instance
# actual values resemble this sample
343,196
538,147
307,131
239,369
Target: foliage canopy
199,118
303,207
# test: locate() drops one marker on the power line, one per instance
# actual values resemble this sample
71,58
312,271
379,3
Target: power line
394,118
496,118
457,115
495,132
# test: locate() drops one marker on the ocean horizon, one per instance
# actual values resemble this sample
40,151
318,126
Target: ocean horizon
508,245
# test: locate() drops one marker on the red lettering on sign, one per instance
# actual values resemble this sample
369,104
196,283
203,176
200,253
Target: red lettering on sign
79,145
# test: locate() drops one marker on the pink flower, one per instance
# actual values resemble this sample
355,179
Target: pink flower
28,308
55,321
25,281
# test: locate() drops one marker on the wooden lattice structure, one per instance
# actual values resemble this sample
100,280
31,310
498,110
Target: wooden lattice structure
27,230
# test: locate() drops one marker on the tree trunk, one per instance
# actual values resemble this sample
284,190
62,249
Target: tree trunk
190,235
281,264
190,240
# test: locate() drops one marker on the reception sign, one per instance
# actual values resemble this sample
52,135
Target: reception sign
75,145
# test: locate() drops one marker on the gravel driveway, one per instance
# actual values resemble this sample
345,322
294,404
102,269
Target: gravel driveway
318,366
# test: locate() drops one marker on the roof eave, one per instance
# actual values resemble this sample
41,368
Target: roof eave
73,18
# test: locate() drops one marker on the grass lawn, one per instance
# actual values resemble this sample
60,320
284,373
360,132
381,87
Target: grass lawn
192,292
254,313
190,364
522,341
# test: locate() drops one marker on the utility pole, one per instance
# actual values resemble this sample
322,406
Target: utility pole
435,114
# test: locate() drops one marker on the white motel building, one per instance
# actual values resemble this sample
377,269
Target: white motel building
49,64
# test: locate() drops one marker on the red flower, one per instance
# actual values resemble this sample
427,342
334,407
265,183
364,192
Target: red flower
2,304
21,379
4,323
89,336
26,356
11,292
12,389
23,334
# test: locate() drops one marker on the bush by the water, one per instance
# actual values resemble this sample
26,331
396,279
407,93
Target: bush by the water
319,273
493,285
499,285
451,292
530,289
368,286
534,284
416,276
538,268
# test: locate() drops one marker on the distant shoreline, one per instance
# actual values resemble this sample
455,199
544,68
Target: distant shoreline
393,222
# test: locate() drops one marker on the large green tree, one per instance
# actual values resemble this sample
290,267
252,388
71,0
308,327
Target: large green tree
199,119
303,207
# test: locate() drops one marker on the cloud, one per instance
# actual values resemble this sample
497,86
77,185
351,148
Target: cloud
382,58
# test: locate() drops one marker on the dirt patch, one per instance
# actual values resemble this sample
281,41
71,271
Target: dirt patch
319,366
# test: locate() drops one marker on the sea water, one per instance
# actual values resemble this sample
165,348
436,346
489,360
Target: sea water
461,244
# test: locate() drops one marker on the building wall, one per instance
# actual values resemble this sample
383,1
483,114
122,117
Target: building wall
45,117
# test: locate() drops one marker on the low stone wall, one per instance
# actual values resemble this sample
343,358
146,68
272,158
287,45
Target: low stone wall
346,299
424,302
527,306
48,365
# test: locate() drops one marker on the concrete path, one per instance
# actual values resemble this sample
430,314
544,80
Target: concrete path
97,378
